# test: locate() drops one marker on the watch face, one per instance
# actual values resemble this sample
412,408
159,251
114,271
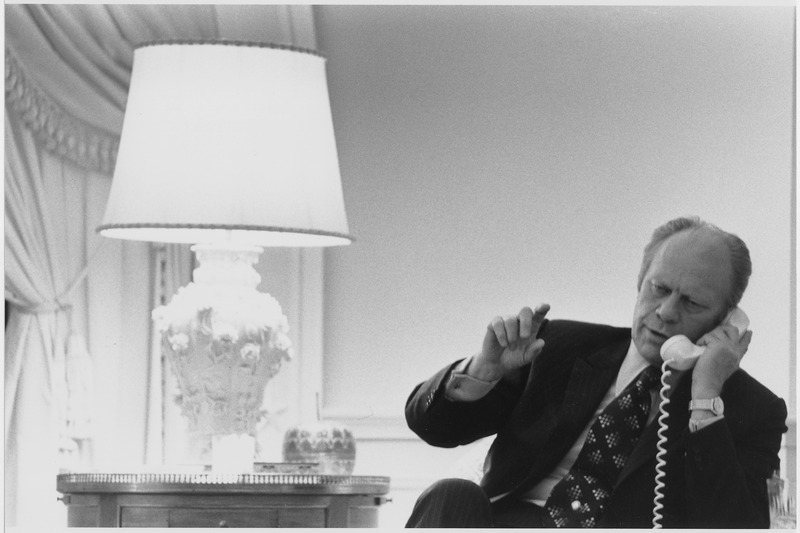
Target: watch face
717,406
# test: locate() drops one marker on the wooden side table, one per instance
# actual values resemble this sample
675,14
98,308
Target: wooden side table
221,500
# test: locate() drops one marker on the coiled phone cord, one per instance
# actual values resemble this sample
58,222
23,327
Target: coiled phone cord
661,446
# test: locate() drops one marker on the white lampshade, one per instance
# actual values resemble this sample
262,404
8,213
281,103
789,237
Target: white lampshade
227,141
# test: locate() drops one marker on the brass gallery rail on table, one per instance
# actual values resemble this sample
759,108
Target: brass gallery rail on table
222,500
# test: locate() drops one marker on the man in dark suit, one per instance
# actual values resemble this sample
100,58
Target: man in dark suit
540,384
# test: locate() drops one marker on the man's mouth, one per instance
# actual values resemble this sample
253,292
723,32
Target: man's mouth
658,335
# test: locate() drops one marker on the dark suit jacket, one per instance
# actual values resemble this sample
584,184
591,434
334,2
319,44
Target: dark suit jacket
716,477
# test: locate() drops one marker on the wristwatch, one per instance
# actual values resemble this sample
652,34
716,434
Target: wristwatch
714,405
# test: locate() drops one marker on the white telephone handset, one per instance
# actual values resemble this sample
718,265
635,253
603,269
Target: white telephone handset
681,354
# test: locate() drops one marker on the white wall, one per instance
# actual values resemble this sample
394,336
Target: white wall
495,157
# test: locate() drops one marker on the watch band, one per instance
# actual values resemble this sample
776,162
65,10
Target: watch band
714,405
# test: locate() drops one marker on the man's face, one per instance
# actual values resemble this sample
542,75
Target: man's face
683,292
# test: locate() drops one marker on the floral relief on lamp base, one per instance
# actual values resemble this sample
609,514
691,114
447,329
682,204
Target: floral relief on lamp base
225,341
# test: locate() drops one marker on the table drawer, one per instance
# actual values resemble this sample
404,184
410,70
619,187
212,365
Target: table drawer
219,517
223,517
143,517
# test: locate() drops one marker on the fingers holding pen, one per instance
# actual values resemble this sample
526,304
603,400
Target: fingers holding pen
539,315
513,330
506,331
509,343
531,320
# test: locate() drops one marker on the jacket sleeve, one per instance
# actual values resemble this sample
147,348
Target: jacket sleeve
726,469
442,422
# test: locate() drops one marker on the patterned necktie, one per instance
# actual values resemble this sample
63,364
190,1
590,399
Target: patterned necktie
578,499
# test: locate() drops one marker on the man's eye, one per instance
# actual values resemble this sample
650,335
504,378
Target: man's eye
660,289
691,304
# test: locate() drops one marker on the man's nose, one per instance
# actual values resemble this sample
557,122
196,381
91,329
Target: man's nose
669,310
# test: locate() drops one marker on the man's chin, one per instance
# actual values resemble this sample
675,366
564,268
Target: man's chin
653,357
650,351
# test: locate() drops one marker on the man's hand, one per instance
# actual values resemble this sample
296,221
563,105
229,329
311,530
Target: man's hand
724,352
510,343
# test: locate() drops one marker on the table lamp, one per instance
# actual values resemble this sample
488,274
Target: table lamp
228,146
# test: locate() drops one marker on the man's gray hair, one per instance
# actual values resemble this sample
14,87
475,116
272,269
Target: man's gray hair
741,266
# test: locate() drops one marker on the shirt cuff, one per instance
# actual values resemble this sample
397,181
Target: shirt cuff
462,387
697,425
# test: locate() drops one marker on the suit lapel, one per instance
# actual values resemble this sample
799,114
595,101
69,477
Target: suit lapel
589,381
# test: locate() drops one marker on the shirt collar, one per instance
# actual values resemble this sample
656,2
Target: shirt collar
632,366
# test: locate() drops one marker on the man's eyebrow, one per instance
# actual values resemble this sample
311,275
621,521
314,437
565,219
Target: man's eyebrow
699,293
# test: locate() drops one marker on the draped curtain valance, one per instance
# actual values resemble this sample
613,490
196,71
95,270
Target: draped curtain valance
57,131
68,69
